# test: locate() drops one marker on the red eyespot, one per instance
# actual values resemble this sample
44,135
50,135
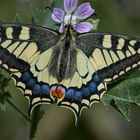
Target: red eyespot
60,92
53,91
57,92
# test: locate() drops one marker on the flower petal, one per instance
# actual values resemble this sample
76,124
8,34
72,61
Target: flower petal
83,27
70,5
58,15
61,28
84,11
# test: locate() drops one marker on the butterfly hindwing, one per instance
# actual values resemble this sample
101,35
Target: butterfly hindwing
84,88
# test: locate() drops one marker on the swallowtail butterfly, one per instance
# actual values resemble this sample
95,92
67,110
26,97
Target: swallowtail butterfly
68,68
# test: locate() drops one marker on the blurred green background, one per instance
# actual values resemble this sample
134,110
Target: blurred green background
96,123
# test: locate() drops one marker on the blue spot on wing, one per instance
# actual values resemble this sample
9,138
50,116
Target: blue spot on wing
26,76
85,91
42,89
77,95
36,89
96,78
70,93
31,83
92,87
45,89
73,94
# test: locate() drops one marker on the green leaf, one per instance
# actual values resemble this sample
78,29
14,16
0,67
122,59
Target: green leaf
4,95
17,19
3,82
3,98
124,94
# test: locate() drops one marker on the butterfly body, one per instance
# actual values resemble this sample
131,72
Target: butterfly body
60,66
69,69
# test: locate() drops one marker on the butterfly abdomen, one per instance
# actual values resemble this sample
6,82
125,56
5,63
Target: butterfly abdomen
62,64
63,59
67,43
67,60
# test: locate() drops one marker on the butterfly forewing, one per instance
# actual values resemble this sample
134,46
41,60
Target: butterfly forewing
112,55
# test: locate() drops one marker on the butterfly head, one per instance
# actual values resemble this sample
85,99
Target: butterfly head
73,15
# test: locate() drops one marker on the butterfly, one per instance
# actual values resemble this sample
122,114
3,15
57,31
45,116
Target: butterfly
68,68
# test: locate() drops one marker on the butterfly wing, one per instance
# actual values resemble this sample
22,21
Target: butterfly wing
101,59
20,47
112,55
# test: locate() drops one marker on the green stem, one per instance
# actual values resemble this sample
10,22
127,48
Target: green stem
37,115
18,110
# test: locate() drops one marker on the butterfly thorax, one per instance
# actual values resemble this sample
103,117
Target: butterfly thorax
65,56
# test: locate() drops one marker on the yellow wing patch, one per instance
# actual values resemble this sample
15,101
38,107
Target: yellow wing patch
121,43
13,47
99,59
9,32
107,41
107,57
6,43
41,62
30,50
25,33
81,64
44,59
19,49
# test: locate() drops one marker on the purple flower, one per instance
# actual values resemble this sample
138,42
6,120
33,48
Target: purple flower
73,15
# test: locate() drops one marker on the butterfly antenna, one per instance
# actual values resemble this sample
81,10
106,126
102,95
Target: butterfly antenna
47,7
